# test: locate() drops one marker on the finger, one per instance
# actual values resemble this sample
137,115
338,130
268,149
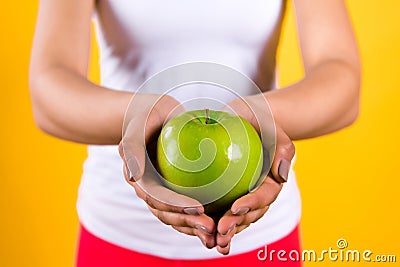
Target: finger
121,151
258,201
190,225
164,199
224,235
284,154
133,149
235,223
162,108
245,219
226,228
224,250
261,197
227,223
202,222
252,216
143,127
222,240
207,239
125,172
241,228
241,107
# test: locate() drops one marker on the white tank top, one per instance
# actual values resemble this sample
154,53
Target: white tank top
139,38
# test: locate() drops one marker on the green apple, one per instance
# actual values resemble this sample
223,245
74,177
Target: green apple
212,156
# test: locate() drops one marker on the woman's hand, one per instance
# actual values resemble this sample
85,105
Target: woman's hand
251,207
143,122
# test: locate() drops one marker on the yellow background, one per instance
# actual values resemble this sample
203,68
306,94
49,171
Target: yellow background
349,180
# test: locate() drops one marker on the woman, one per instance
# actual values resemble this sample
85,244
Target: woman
140,38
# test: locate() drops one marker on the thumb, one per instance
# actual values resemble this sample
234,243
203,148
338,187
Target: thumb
142,127
284,154
132,149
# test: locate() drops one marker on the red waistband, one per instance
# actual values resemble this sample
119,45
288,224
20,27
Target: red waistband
95,252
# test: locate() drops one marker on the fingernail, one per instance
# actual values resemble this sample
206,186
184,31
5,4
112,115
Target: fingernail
241,211
224,246
283,171
191,211
203,229
229,230
133,168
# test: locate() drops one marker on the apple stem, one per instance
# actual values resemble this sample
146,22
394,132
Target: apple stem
207,116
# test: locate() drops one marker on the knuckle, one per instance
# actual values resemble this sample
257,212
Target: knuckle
153,211
287,149
185,221
161,216
149,201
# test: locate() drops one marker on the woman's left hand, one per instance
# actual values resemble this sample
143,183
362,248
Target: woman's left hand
252,206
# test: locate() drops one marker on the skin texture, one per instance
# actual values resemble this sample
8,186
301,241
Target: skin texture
67,105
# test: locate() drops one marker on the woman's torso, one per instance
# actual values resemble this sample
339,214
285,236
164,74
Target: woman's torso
139,38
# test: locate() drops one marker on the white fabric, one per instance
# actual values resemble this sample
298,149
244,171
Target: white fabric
138,38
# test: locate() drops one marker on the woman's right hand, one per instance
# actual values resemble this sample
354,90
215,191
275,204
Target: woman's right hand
143,122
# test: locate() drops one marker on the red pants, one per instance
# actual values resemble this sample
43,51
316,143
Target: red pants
94,252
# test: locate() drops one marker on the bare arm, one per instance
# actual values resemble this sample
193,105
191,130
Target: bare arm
65,103
327,98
